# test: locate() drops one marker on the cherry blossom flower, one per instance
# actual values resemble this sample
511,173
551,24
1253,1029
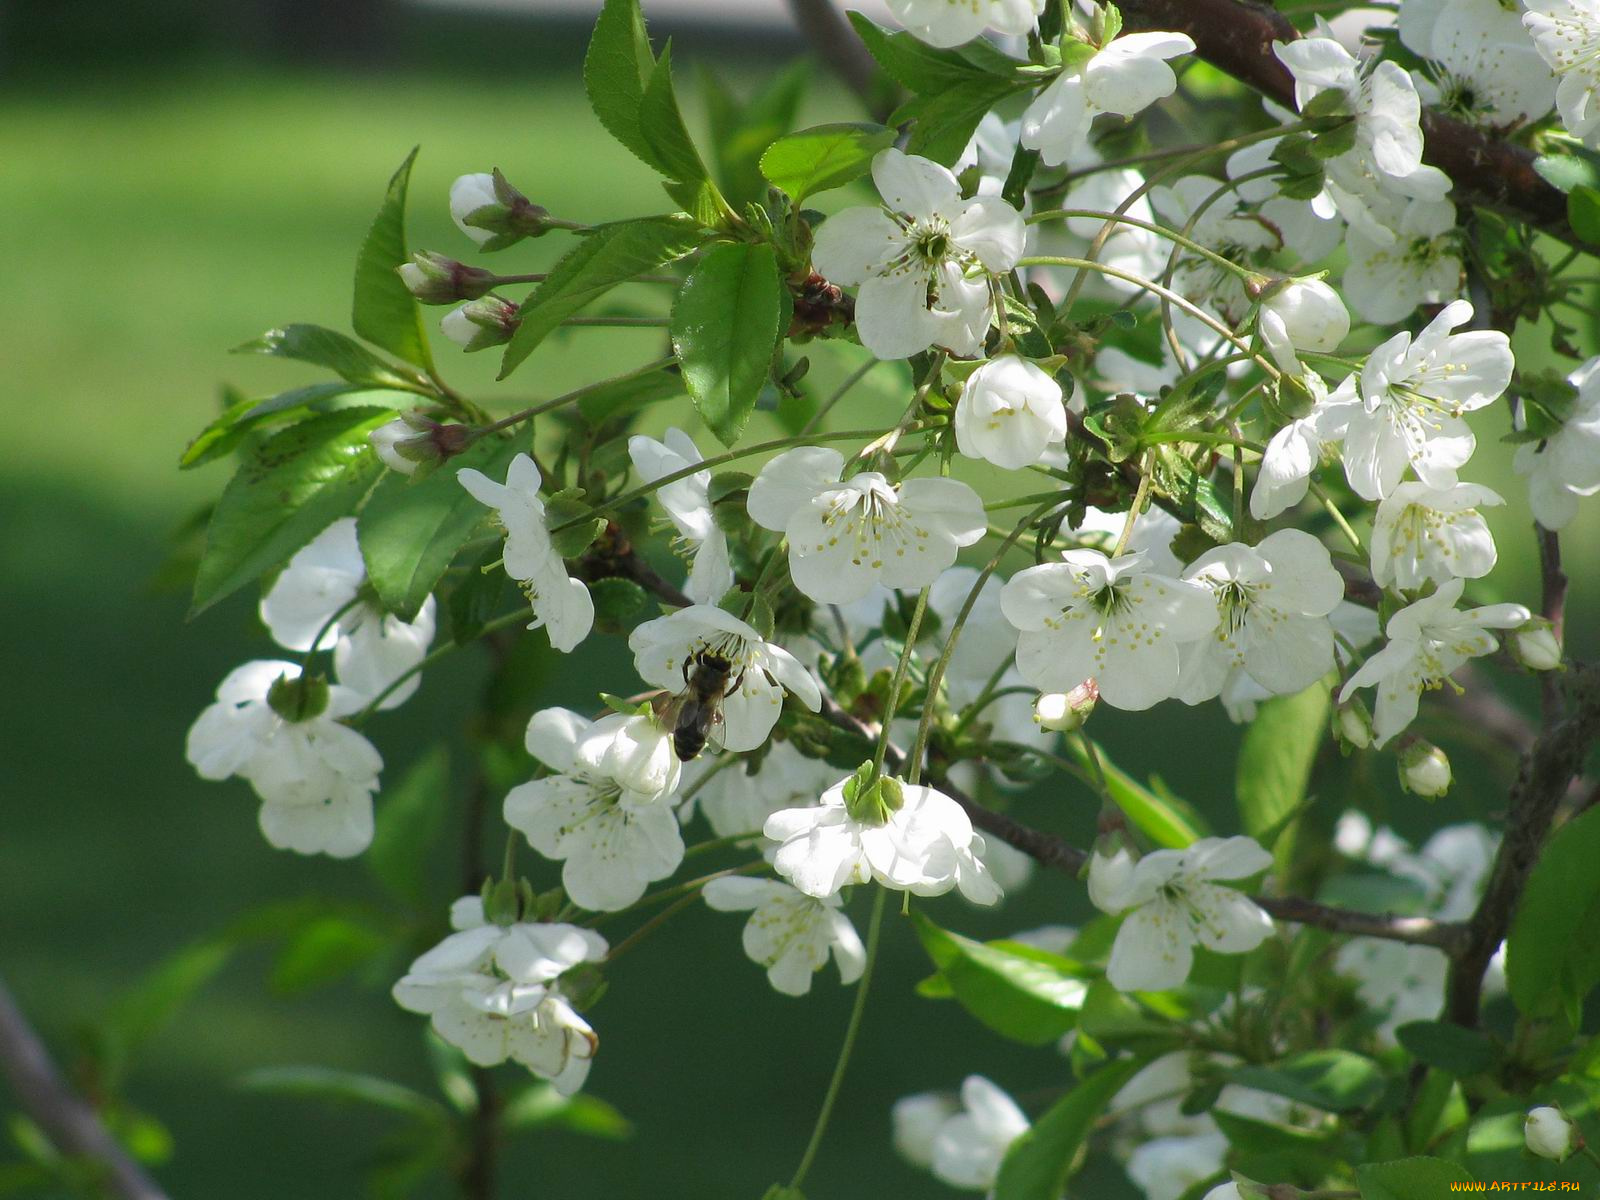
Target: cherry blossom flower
1565,466
846,536
1273,601
1413,393
916,1121
927,846
1303,314
1422,533
970,1145
789,933
1010,412
1428,641
1549,1134
667,649
688,505
1483,62
922,260
1220,222
1311,229
322,589
314,775
560,603
1567,33
1125,76
940,23
1413,258
1292,454
1112,620
613,840
493,992
1171,903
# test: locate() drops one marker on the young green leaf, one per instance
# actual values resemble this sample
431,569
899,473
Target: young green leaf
325,950
725,329
1448,1046
615,70
741,130
823,157
410,529
1028,998
628,394
1274,766
411,815
287,491
1553,952
1039,1163
946,120
661,123
344,1087
608,256
1335,1080
384,310
344,356
1583,212
1409,1179
1166,820
923,68
245,417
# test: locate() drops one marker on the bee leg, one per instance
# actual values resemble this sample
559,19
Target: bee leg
737,683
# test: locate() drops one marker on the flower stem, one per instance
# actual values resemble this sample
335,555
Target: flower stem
851,380
1338,517
1163,231
327,628
852,1031
902,668
1139,497
528,414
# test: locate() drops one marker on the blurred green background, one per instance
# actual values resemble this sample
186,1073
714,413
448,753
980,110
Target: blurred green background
176,178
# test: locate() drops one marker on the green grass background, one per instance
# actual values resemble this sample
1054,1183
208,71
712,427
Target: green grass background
150,222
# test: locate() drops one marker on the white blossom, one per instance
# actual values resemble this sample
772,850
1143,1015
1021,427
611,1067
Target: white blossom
1422,533
1112,620
667,649
923,259
846,536
971,1143
493,992
1292,454
1010,412
941,23
1152,536
1549,1133
613,841
1215,217
926,847
789,933
1311,229
1567,36
324,587
1428,641
1171,904
1413,258
1125,76
560,603
315,776
688,504
1483,62
1303,314
1413,394
1565,466
468,194
1273,601
1165,1168
916,1121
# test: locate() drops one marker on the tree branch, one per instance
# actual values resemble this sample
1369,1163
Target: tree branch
1547,770
67,1120
1236,37
837,45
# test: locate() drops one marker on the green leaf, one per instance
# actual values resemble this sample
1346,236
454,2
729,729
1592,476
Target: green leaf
618,602
1553,952
344,1087
155,999
1580,166
287,491
323,951
923,68
615,70
1335,1080
661,122
624,396
1274,766
725,329
411,815
946,120
344,356
1448,1046
410,530
607,256
540,1106
1039,1163
245,417
1409,1179
823,157
740,131
1166,820
1583,212
384,310
1031,998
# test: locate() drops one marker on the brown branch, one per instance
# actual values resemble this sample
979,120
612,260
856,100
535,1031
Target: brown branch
1553,607
67,1120
1236,37
1547,770
837,45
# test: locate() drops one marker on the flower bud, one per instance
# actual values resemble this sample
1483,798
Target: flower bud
1111,869
434,279
1549,1134
641,758
487,322
871,799
300,699
1534,644
414,440
1063,712
493,213
1424,769
1352,725
1301,314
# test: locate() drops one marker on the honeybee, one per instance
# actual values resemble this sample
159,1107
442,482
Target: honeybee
695,711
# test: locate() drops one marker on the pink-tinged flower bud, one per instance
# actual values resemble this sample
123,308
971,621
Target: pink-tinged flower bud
493,213
1549,1134
413,440
487,322
1534,644
1424,769
1063,712
434,279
